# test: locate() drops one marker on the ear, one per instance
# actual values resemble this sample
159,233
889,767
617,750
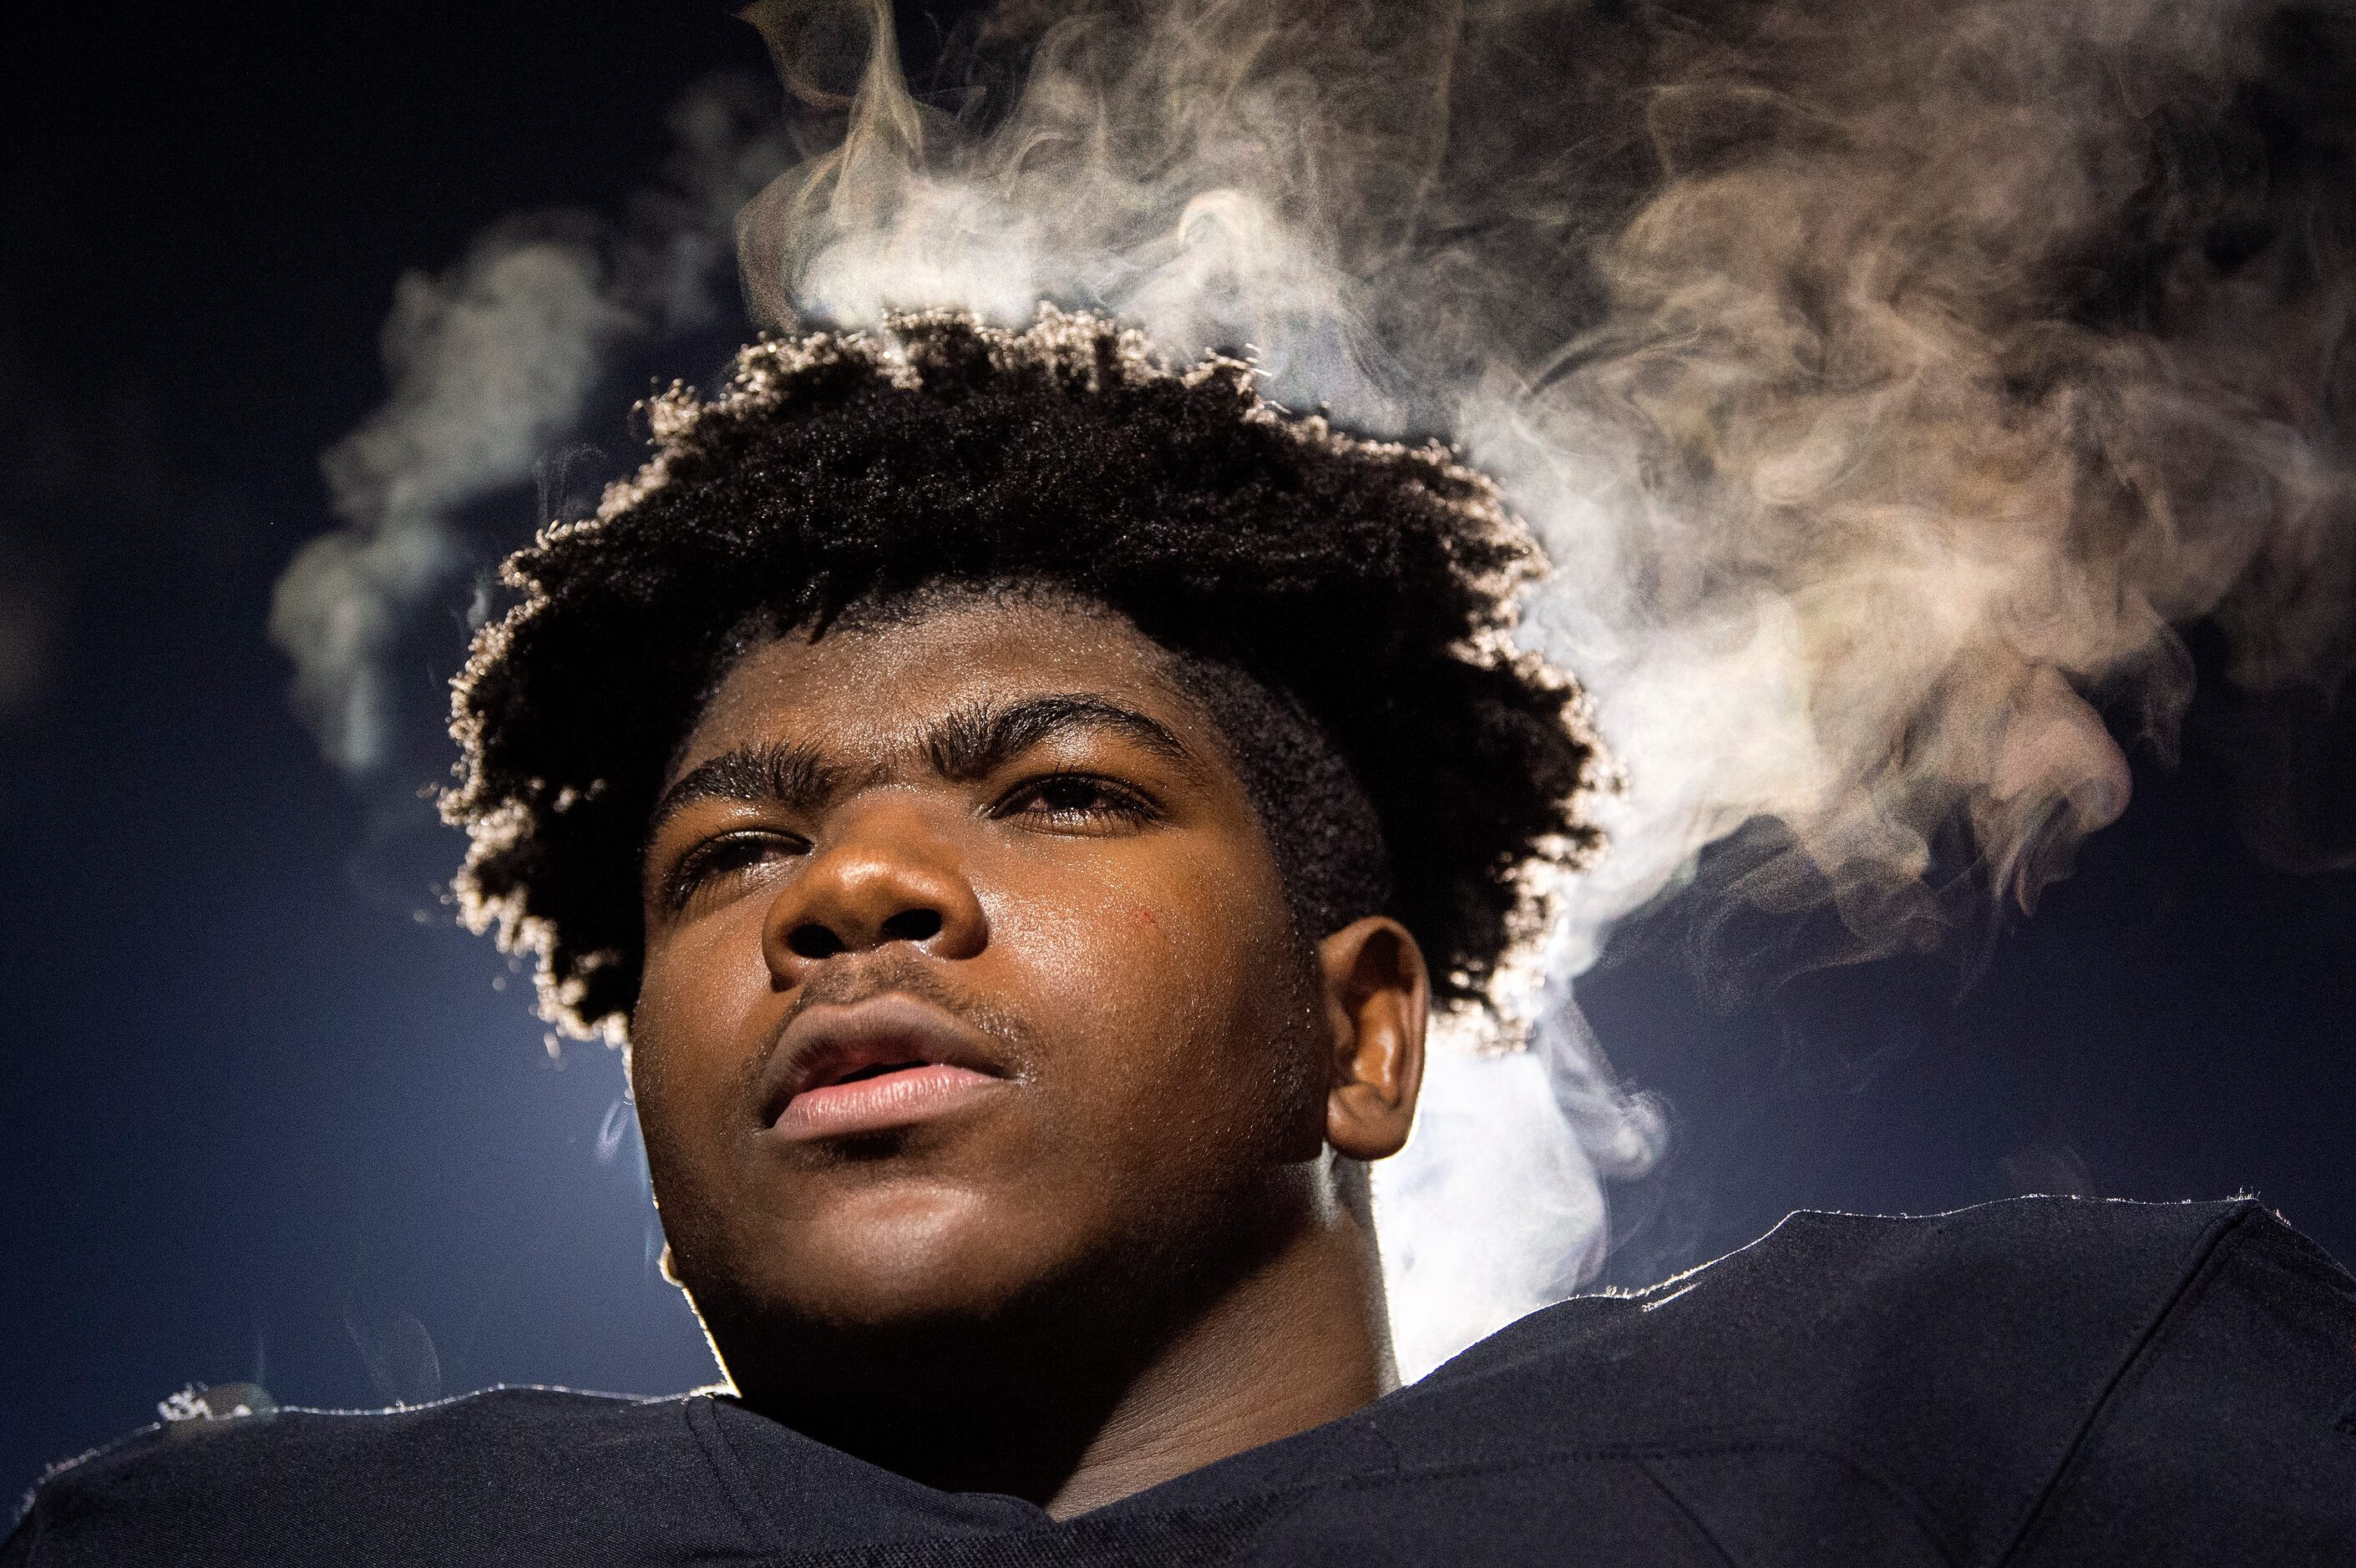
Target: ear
1378,1001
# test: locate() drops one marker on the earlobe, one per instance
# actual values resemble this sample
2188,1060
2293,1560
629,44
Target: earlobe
1377,1002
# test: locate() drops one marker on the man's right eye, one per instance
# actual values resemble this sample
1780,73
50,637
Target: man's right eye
715,862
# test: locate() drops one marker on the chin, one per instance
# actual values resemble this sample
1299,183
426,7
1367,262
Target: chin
905,1257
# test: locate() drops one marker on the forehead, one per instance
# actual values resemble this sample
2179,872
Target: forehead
875,682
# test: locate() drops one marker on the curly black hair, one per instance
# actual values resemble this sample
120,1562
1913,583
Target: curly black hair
1342,602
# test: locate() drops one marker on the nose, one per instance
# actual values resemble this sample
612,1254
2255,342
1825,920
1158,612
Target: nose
886,872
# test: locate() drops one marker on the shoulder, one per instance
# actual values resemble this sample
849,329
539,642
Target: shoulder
2078,1270
2042,1282
1970,1374
2045,1279
404,1485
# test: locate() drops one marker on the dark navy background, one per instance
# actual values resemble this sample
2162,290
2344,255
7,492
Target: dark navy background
264,1114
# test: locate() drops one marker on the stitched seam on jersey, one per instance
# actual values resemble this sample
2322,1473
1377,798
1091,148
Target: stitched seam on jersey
735,1479
1909,1506
1378,1430
2207,1259
1685,1510
1056,1540
1637,1454
1760,1438
1275,1498
1767,1440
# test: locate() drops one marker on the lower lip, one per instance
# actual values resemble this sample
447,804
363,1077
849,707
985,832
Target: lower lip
877,1104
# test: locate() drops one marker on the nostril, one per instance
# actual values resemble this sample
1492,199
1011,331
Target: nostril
812,940
913,925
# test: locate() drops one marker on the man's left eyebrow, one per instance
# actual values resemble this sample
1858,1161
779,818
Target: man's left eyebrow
977,740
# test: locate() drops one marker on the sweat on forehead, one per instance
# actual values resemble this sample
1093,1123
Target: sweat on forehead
1338,606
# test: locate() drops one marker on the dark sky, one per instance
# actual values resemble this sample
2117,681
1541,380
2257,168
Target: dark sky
266,1115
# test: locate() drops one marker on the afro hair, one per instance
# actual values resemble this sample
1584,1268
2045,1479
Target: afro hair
1366,587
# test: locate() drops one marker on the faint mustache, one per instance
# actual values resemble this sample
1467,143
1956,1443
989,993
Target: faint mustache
908,976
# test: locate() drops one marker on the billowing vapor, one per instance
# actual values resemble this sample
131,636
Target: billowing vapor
491,363
1496,1206
1886,380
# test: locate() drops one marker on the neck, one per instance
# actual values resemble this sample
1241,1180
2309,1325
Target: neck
1074,1420
1298,1343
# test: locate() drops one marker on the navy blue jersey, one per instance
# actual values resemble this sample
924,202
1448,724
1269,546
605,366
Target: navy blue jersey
2043,1382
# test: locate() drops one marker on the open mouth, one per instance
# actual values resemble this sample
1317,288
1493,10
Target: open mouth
889,1062
877,1070
880,1096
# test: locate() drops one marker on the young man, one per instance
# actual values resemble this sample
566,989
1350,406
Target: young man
1018,806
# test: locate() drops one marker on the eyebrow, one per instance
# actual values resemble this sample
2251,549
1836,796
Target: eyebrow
980,737
968,743
794,776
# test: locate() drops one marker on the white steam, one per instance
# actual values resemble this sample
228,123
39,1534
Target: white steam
1885,379
1496,1206
491,363
1797,333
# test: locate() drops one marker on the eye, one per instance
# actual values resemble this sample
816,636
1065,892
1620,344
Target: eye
716,862
1075,801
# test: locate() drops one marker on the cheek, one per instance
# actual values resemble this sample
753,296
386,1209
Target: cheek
1171,987
700,995
711,966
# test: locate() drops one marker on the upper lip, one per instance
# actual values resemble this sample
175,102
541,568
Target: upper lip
828,1041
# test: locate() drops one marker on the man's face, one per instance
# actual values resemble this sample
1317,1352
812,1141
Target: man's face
969,976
